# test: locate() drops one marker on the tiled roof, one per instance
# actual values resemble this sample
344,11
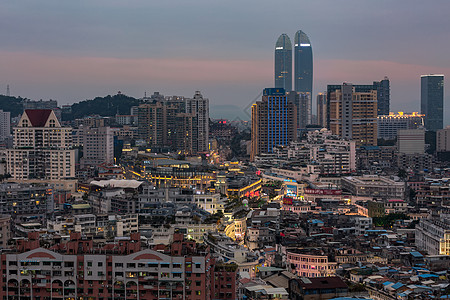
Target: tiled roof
38,117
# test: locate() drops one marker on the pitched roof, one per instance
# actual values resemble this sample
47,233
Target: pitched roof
38,117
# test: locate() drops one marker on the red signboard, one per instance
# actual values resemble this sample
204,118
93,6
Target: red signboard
323,192
287,200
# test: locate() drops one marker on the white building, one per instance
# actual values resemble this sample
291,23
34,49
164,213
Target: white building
98,146
374,186
443,140
411,141
210,202
42,148
5,124
433,235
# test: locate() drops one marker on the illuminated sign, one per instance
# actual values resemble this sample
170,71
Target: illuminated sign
323,192
274,92
279,48
305,45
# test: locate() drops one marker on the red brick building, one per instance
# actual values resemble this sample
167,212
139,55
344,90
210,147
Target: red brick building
78,269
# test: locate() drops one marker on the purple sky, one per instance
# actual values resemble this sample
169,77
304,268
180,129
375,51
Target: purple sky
75,50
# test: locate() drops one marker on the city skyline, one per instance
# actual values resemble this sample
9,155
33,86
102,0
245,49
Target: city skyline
100,57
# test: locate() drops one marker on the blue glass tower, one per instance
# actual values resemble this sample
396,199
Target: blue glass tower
303,67
283,63
432,101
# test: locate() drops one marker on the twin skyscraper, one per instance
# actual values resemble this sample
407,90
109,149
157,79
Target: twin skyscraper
303,66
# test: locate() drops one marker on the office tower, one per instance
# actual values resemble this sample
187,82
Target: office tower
302,102
322,109
5,124
353,115
388,125
303,64
358,88
432,101
283,63
411,141
98,146
383,95
199,107
274,122
42,148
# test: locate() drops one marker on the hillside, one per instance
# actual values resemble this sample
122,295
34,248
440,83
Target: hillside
103,106
11,104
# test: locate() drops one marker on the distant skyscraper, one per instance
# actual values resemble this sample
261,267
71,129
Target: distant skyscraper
199,107
383,95
5,124
322,109
353,115
303,64
432,101
283,63
274,122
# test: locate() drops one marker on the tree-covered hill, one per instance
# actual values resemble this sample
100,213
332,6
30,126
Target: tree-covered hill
11,104
103,106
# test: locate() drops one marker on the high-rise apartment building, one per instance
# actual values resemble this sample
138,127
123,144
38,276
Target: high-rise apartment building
443,140
322,109
176,123
302,103
283,63
98,146
199,107
411,141
303,64
274,122
383,95
432,101
381,88
353,115
5,124
42,148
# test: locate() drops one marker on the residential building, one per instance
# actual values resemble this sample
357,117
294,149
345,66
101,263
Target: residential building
274,122
389,125
374,186
98,146
411,141
322,109
309,263
432,101
321,288
283,63
121,270
42,148
443,140
5,125
353,115
383,96
433,235
199,107
302,102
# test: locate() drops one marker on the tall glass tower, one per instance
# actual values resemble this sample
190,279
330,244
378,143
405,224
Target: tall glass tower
283,63
432,101
303,65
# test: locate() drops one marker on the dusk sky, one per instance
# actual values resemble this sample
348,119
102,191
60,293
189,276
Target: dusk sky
75,50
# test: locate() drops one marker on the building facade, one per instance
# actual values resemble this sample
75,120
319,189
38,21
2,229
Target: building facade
283,63
389,125
302,102
274,122
98,146
5,125
322,109
383,96
42,148
433,235
432,101
353,115
411,141
303,64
